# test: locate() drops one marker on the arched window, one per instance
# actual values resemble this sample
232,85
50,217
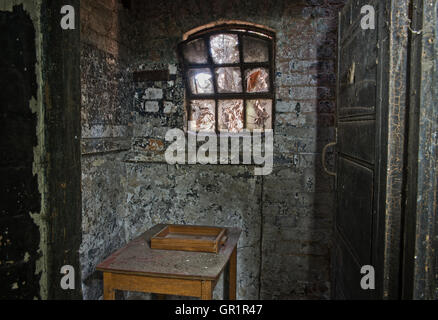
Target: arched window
229,78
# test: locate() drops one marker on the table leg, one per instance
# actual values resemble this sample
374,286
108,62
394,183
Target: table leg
206,290
108,290
233,274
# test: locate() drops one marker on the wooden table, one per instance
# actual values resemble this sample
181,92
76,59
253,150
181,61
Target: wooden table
137,267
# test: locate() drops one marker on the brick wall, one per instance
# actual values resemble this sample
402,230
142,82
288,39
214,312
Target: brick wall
293,225
286,217
106,105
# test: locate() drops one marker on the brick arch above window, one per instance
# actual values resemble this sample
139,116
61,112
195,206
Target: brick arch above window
229,77
228,24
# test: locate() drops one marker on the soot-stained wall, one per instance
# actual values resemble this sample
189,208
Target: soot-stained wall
106,98
19,235
286,217
40,162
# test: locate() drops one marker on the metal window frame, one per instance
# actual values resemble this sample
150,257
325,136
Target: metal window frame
240,31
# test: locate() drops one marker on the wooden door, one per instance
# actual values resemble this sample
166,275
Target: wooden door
358,161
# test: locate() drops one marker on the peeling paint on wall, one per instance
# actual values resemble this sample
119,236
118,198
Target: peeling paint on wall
287,222
33,9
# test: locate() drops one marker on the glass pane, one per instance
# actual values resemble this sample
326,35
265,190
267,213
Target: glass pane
229,80
202,115
195,51
224,48
200,81
259,114
230,115
255,50
257,80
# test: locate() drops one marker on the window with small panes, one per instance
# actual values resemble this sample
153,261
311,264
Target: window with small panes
228,73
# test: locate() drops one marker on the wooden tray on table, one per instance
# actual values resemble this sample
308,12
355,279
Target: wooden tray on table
189,238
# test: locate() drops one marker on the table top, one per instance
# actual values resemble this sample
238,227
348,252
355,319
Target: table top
138,258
